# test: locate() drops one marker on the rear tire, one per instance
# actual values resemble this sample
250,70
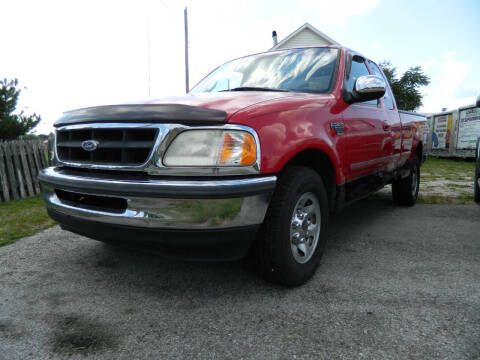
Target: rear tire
292,238
405,190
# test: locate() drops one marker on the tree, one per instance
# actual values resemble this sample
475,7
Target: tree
405,89
13,125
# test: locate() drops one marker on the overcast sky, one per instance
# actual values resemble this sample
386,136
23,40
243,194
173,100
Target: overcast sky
71,54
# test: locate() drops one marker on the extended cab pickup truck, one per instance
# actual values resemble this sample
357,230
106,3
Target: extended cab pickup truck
251,161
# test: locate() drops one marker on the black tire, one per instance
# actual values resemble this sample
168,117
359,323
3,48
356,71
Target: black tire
274,255
405,190
476,187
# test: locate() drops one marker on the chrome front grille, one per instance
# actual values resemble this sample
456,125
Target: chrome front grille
114,146
136,146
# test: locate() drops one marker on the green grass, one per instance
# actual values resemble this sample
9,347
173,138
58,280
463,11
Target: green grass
451,170
447,169
443,181
20,218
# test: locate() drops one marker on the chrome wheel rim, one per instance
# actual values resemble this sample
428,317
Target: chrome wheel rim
305,227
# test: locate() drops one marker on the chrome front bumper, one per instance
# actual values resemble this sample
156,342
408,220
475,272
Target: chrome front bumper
154,203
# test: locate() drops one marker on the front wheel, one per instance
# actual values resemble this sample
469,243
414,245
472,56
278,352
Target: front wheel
292,238
405,190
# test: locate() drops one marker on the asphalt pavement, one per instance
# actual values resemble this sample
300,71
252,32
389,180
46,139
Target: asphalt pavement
394,283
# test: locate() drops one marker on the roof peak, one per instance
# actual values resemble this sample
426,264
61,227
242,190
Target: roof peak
303,27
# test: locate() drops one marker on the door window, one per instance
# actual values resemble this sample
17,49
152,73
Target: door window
357,69
387,98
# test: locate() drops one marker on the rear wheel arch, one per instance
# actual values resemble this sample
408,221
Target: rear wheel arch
418,151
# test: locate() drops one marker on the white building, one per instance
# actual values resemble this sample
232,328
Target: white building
305,35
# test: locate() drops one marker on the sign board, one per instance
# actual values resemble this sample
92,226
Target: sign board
442,129
429,121
468,128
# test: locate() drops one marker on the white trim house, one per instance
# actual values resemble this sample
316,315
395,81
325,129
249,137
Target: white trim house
305,35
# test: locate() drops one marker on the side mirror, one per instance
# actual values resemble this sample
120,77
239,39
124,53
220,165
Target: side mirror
369,87
478,101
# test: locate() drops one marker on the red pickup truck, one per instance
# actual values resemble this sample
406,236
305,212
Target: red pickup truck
251,161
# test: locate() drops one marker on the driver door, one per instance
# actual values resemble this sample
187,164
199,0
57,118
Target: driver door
364,127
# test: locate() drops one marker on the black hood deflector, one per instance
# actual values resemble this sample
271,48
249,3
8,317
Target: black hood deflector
150,113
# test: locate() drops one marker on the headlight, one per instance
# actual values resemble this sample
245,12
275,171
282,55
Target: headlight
211,148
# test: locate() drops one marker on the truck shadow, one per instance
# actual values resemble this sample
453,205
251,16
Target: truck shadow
346,225
140,285
150,271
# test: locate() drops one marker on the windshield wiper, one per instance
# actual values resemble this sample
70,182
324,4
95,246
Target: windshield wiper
253,88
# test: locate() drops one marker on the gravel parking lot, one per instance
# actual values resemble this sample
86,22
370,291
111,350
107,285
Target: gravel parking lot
395,283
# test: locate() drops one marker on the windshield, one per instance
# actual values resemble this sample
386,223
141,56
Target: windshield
300,70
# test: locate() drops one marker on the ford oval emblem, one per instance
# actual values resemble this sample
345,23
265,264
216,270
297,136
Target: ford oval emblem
89,145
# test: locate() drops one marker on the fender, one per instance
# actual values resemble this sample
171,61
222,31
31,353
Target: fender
285,134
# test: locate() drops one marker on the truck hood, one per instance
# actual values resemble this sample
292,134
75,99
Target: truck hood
230,102
198,109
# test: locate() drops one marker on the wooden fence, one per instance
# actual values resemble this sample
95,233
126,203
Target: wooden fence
20,162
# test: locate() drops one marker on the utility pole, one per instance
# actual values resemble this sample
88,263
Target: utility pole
187,86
